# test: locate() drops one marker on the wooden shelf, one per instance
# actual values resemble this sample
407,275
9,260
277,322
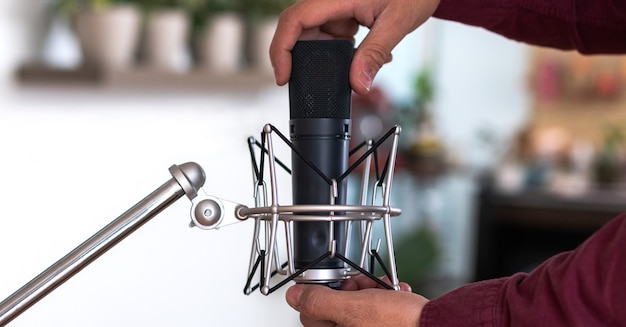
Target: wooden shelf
143,78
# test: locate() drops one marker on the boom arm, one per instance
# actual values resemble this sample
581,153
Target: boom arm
187,179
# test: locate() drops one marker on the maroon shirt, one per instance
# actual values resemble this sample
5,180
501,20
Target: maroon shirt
585,287
589,26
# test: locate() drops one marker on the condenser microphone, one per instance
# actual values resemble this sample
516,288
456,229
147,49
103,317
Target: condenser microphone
319,128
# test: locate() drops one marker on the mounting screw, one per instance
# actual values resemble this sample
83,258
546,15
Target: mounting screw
207,214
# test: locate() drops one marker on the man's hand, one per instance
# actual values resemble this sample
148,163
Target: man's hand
362,303
388,20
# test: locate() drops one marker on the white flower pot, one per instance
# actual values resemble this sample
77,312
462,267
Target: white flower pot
166,46
34,19
109,37
262,35
220,46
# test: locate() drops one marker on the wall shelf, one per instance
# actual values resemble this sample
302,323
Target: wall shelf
143,78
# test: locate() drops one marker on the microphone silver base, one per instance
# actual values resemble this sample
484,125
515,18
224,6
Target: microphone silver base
323,276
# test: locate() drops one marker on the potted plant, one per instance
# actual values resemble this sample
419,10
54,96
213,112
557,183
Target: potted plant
35,20
218,34
263,17
608,163
425,153
107,30
166,33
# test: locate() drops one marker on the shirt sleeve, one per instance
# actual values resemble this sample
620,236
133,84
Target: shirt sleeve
589,26
583,287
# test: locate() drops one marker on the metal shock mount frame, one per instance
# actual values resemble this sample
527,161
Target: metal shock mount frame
268,213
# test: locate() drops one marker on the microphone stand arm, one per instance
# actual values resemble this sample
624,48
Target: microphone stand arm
187,179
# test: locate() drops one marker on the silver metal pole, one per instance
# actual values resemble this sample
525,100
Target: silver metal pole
188,178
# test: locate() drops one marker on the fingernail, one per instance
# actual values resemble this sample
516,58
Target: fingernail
275,77
293,295
365,79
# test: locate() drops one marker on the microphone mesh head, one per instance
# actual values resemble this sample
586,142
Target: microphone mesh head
319,86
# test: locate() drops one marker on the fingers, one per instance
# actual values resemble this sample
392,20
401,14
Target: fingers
321,306
362,282
313,302
312,322
307,17
389,21
342,29
405,287
389,26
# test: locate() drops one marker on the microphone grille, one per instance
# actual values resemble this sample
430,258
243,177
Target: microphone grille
319,86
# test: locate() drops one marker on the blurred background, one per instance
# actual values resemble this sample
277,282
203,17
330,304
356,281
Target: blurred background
509,153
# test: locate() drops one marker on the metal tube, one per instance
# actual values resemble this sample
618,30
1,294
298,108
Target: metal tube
265,288
386,222
89,251
312,208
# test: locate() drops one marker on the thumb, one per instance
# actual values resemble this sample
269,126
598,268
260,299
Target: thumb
367,61
318,302
387,28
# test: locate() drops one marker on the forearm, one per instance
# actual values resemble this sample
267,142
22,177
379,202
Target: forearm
584,287
596,26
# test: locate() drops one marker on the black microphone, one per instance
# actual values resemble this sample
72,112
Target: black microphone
319,222
319,128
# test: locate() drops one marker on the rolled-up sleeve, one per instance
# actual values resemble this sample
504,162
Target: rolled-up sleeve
583,287
589,26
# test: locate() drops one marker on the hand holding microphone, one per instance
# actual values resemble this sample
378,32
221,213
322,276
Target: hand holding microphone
360,303
389,21
319,305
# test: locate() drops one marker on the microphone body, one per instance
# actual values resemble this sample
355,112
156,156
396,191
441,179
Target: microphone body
320,125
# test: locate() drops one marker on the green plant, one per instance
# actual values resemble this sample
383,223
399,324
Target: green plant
217,6
607,162
187,5
71,7
412,112
424,87
265,8
416,254
202,11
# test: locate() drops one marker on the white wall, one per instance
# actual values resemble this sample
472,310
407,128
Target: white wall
482,86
